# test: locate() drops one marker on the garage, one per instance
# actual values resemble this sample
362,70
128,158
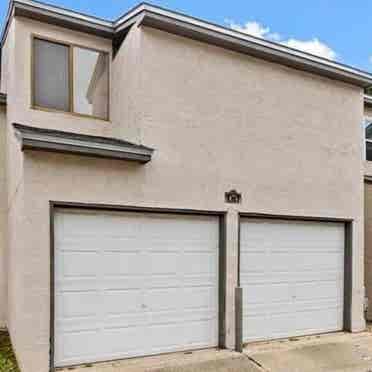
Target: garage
131,283
292,277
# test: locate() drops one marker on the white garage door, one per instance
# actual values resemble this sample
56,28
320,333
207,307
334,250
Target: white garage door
292,275
133,284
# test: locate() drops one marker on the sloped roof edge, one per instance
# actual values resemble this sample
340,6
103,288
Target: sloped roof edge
174,22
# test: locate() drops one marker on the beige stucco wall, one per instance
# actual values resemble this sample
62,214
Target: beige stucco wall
290,142
56,120
368,225
368,164
3,219
278,135
368,246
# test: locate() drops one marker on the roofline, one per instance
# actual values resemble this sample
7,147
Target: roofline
56,15
177,23
368,100
33,138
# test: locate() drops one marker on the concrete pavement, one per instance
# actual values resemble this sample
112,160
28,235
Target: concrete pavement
338,352
197,361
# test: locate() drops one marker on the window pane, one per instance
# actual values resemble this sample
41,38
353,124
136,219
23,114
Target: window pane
91,82
51,82
369,151
368,126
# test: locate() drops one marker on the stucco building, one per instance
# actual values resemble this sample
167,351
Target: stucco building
168,184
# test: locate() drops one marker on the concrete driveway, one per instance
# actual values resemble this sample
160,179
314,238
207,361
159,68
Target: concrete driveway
325,353
339,352
197,361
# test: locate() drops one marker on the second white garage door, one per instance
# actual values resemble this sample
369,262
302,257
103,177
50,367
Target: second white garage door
133,284
292,275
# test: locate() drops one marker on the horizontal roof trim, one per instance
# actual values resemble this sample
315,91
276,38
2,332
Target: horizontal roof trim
261,48
32,138
180,24
368,100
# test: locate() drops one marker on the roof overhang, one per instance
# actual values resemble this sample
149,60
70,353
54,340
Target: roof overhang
183,25
237,41
367,100
32,138
59,16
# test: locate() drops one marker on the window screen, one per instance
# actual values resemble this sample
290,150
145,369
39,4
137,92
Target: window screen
51,75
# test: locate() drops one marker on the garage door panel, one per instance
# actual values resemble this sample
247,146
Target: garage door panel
66,304
303,321
300,262
200,263
284,230
159,299
187,316
264,277
78,324
74,345
77,264
200,298
147,284
288,270
283,307
262,293
196,334
73,284
161,263
204,280
75,243
120,263
274,326
289,292
317,290
121,301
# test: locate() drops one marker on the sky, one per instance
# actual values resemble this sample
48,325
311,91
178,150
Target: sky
335,29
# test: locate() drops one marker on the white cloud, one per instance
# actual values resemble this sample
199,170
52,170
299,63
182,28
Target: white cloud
312,46
370,59
255,29
251,28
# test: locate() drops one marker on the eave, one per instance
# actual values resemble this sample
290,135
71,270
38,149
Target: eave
190,27
367,100
223,37
38,139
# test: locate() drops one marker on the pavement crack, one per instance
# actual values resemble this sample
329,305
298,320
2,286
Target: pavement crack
257,363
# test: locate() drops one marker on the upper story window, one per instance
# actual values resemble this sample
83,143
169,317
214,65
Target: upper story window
70,78
368,136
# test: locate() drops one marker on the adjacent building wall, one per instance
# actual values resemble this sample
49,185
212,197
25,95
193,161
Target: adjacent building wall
289,141
15,261
3,220
368,226
368,246
6,54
